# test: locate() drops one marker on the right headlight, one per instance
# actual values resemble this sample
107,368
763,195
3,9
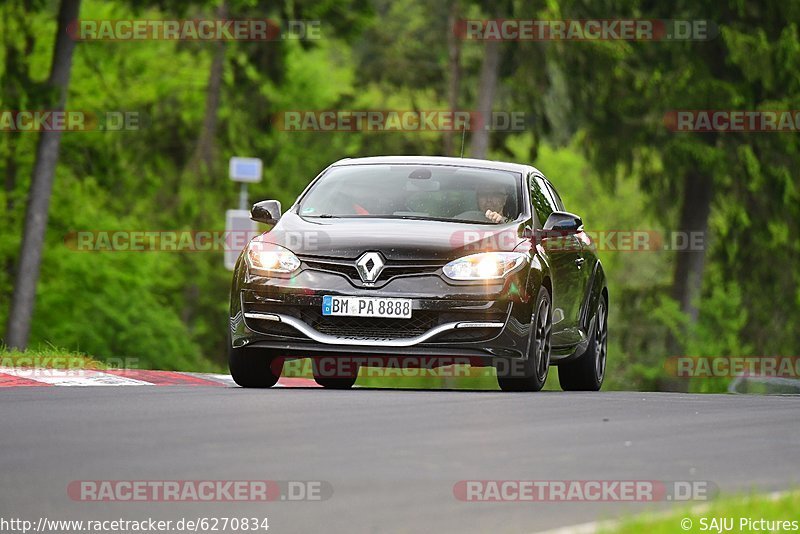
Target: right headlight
266,259
484,266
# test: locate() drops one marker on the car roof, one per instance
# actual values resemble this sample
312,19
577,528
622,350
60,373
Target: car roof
438,160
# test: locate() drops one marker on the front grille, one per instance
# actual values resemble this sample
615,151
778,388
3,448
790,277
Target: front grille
397,270
390,270
373,327
421,321
347,270
467,334
274,328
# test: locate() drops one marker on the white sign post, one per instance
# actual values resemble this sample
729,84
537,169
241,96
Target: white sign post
239,228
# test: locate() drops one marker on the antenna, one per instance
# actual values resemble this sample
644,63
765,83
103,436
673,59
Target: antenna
463,133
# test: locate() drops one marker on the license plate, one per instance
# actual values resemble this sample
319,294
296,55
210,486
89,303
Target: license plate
367,307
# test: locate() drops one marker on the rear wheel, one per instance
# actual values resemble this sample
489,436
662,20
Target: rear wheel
254,367
334,373
587,372
531,374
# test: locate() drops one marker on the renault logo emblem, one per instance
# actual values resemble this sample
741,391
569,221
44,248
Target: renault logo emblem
369,266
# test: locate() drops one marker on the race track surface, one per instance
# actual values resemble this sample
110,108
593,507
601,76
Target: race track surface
392,457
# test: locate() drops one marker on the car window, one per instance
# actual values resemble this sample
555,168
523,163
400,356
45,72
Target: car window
542,205
438,192
557,202
547,192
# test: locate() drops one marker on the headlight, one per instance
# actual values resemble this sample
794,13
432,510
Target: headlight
267,259
484,266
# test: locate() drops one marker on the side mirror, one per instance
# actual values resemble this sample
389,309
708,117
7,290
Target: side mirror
266,211
563,221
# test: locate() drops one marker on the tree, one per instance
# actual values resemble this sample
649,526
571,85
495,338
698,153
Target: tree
623,91
19,318
487,88
479,142
454,70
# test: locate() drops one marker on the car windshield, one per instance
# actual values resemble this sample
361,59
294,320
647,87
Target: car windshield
446,193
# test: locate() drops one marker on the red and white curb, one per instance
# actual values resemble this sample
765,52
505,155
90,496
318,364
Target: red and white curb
16,377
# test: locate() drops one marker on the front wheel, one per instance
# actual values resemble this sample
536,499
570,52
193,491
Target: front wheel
254,367
587,372
334,373
531,374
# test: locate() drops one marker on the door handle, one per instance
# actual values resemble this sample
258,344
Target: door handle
579,262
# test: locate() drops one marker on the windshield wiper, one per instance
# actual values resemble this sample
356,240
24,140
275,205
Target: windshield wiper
421,218
322,216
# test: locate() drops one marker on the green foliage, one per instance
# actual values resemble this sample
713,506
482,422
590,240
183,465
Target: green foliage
772,509
47,356
597,131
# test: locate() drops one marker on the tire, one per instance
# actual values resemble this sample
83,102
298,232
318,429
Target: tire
531,374
254,367
344,375
587,372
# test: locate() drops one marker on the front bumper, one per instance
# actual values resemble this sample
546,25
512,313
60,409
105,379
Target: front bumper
483,321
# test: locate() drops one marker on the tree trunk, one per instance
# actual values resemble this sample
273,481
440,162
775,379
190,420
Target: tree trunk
205,150
10,184
454,65
479,144
698,191
19,317
12,92
202,166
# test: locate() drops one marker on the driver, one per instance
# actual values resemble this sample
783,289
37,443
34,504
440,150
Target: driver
491,200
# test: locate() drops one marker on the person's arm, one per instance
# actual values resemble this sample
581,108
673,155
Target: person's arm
495,217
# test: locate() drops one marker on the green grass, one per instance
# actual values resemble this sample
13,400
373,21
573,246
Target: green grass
51,357
48,357
786,507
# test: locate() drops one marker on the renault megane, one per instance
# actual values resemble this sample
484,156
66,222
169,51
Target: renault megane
424,258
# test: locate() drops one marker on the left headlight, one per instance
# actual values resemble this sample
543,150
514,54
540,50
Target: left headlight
266,259
484,266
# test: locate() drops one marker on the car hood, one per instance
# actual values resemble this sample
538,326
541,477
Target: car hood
396,239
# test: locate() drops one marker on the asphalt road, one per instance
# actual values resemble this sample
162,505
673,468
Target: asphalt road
391,456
